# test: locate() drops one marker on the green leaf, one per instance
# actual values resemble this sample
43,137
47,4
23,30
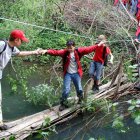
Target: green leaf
12,138
137,120
39,136
45,133
92,139
115,104
131,108
46,122
138,101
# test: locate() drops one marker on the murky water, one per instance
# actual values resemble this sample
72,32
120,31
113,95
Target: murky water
74,130
15,106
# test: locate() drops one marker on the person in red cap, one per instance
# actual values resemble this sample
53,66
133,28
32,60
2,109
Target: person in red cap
7,50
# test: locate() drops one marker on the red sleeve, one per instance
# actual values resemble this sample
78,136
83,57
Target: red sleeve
138,5
138,15
56,52
87,50
115,2
108,51
138,31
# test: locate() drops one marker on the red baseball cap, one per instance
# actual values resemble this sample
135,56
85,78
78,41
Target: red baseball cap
19,34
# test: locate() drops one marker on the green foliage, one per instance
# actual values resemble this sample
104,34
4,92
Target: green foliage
43,94
19,83
118,123
45,134
100,138
47,122
103,105
92,139
47,131
134,110
129,70
12,138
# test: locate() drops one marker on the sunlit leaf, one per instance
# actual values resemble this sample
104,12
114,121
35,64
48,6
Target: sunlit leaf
131,108
137,120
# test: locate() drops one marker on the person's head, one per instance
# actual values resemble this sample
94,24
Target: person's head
70,45
101,38
17,37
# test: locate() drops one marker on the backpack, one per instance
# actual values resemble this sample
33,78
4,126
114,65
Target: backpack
4,46
105,57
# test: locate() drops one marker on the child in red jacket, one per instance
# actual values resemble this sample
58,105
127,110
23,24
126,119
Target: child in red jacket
72,68
125,2
101,52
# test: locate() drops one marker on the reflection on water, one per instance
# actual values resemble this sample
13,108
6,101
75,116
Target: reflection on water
14,105
70,131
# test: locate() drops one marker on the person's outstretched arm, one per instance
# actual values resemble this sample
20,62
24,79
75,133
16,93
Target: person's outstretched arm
26,53
89,49
53,52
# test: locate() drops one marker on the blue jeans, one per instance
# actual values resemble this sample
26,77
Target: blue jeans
95,70
138,37
121,7
133,9
67,85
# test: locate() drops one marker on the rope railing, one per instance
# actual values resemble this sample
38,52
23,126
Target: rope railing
50,29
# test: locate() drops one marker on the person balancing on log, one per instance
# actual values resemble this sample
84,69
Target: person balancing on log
72,68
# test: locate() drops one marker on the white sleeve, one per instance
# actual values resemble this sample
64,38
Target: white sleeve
2,44
15,51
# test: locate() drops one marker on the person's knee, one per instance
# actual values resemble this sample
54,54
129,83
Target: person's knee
91,73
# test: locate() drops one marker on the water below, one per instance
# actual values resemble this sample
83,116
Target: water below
70,131
15,106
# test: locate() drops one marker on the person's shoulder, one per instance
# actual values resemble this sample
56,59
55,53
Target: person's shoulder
2,42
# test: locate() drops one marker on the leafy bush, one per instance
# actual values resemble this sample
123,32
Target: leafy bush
43,94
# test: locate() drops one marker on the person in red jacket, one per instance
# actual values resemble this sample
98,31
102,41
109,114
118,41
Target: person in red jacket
72,68
125,2
96,66
138,34
138,11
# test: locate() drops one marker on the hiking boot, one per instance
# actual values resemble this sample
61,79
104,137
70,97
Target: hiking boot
3,127
80,99
63,104
137,87
62,107
95,88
